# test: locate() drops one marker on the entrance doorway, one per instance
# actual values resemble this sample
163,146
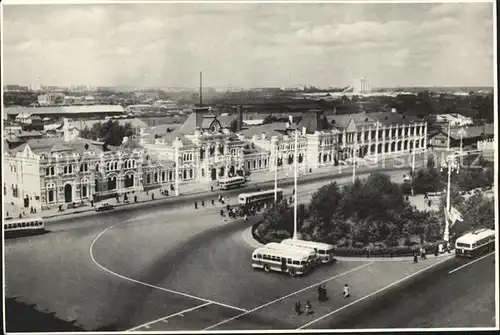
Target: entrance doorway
68,193
231,171
26,202
214,174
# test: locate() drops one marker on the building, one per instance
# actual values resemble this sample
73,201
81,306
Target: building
49,172
208,151
362,85
73,112
455,120
469,136
50,99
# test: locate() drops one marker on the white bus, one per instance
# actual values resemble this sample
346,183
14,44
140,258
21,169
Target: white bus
286,261
323,251
232,182
476,243
311,254
259,197
23,226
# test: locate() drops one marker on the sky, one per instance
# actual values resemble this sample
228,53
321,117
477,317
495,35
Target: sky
249,45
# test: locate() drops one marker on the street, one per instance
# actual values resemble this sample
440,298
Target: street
128,269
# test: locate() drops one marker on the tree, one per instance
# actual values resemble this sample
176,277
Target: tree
324,203
111,132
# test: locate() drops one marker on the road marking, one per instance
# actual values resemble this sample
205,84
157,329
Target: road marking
165,318
287,296
474,261
146,284
371,294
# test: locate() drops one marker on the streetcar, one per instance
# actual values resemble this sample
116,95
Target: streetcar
475,243
232,182
324,251
259,198
23,226
286,261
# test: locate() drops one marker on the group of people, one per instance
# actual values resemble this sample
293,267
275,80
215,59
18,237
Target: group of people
322,296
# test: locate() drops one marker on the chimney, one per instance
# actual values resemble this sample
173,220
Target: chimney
66,130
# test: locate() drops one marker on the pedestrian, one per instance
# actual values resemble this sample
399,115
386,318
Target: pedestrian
152,196
308,308
228,206
436,251
166,193
31,210
213,202
20,215
171,187
135,198
320,293
222,212
91,203
203,203
147,192
222,200
298,308
346,291
415,258
195,205
245,217
211,188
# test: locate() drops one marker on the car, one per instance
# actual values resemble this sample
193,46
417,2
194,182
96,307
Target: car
104,206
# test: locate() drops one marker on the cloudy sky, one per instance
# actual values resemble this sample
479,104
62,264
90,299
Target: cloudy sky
249,45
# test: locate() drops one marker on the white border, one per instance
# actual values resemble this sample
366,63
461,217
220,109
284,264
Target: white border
495,96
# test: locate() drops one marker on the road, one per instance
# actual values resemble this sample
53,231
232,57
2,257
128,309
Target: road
463,298
127,269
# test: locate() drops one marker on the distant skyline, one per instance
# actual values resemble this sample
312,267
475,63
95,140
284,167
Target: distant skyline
249,45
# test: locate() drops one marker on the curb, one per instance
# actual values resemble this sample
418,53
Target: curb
248,238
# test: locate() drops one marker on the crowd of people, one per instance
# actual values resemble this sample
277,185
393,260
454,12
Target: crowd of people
322,297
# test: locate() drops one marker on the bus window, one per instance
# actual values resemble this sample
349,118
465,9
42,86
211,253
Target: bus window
321,252
289,261
303,263
296,262
259,256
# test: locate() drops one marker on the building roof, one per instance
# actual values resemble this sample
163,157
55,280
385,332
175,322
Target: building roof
66,109
370,119
51,145
313,121
472,132
270,129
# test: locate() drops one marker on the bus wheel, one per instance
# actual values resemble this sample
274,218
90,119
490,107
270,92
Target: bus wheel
266,268
292,273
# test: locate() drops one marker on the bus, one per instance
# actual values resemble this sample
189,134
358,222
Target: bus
232,182
287,261
475,243
262,197
24,226
323,251
311,254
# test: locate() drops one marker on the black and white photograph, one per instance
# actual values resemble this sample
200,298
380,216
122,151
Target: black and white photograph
249,166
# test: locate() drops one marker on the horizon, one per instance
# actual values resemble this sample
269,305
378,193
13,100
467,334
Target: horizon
400,45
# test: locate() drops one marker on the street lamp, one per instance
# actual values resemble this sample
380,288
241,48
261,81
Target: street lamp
462,131
451,164
176,150
276,175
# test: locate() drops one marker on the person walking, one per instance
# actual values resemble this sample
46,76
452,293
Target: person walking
211,188
308,308
195,205
346,292
203,203
298,308
415,258
213,202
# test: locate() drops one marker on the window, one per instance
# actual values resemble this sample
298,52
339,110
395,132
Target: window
148,179
163,175
97,167
68,169
156,177
170,175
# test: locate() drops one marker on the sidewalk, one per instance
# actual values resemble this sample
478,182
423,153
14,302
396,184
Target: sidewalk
189,190
248,237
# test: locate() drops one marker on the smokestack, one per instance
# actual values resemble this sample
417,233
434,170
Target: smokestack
239,110
201,88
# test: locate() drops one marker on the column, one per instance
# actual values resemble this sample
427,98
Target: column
425,136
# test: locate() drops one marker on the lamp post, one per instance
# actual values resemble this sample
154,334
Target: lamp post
449,134
354,161
462,132
276,174
451,164
295,159
176,152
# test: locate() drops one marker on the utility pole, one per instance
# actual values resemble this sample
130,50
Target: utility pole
295,159
201,88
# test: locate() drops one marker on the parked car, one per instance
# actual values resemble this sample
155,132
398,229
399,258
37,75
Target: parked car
104,207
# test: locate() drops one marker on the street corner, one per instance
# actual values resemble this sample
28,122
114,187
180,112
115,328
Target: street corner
196,318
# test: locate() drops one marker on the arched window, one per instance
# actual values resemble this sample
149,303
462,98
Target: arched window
97,167
52,171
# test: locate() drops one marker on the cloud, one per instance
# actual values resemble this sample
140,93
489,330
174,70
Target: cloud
248,44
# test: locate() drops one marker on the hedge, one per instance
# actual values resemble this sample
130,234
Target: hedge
399,251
